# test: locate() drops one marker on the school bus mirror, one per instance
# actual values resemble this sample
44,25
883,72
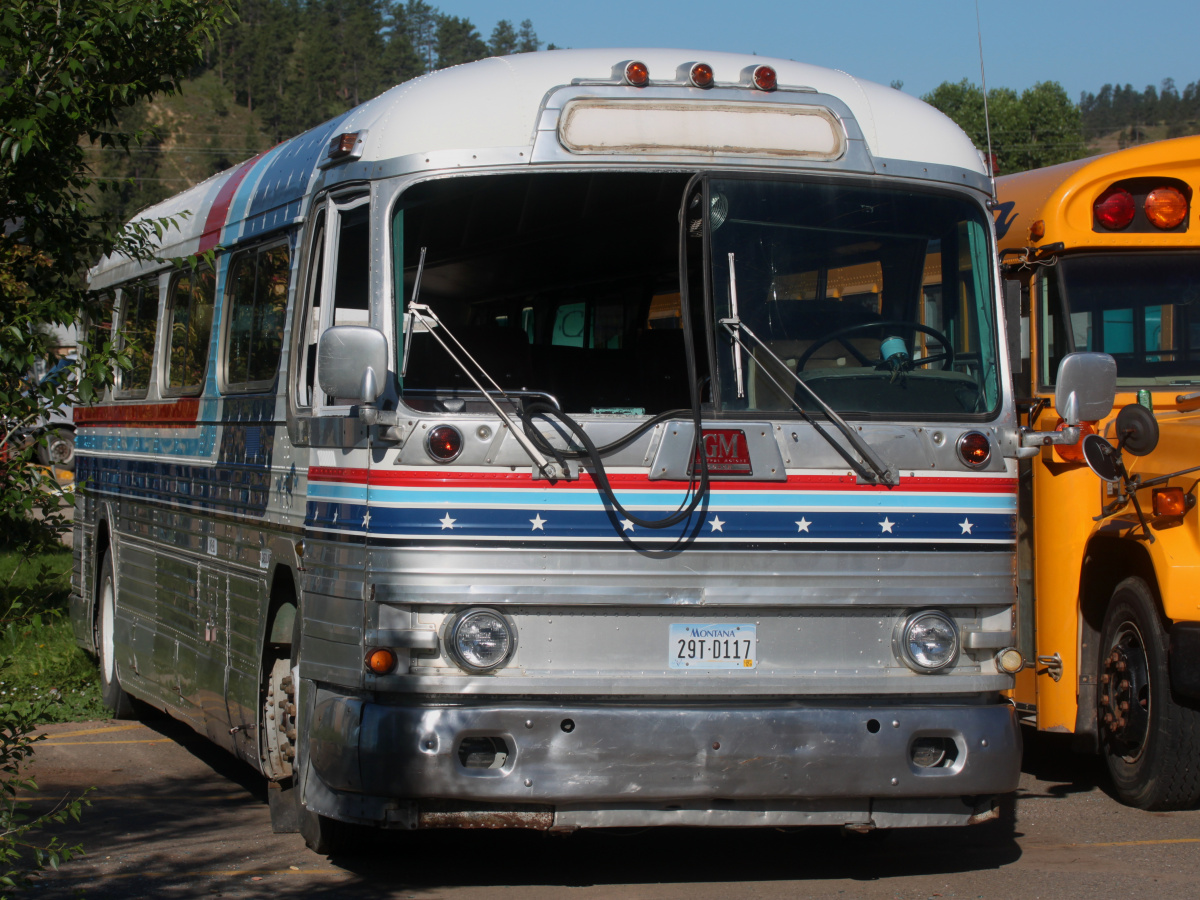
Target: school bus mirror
351,363
1086,387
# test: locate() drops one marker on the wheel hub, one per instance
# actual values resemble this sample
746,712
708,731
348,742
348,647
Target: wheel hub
279,722
1125,695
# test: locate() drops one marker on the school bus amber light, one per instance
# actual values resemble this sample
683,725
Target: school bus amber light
1170,501
1166,207
381,661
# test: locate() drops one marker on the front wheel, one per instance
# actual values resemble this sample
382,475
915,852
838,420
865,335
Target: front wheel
111,692
1150,742
59,449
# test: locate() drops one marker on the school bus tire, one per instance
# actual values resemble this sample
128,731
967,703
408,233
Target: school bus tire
111,693
1150,742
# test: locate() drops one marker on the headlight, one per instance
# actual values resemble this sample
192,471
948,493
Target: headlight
480,639
928,642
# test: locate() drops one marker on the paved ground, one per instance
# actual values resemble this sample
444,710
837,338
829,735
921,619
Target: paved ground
174,817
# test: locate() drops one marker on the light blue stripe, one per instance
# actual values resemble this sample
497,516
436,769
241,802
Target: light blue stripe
1006,503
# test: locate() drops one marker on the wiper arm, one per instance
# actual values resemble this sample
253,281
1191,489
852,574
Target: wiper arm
419,314
880,473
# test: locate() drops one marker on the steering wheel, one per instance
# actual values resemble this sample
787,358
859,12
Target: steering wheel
946,357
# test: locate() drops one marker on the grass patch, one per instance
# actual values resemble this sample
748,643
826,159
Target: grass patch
46,665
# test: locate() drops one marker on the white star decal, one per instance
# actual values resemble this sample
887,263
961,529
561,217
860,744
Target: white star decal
626,525
538,522
803,525
966,525
447,522
366,519
886,525
716,524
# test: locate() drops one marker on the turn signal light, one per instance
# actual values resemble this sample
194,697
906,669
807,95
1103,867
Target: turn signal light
1170,501
1037,230
342,145
764,78
381,661
1166,207
1114,208
701,75
974,449
637,74
1073,453
444,443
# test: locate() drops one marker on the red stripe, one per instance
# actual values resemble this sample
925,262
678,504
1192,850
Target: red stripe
220,208
139,415
442,478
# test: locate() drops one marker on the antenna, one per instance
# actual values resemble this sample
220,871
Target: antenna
987,124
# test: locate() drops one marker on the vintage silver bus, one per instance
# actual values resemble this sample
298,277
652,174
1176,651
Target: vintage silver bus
575,439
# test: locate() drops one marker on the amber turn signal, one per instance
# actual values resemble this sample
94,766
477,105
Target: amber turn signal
381,661
1166,207
1170,501
974,449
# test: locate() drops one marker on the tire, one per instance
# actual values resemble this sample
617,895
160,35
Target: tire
59,449
283,762
1150,742
111,693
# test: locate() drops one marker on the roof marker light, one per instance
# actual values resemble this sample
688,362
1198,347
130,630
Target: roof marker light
1114,208
1166,207
764,78
637,74
701,75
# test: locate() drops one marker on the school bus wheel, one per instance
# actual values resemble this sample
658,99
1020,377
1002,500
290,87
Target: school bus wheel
1148,740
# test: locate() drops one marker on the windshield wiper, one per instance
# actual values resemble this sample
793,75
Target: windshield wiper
879,472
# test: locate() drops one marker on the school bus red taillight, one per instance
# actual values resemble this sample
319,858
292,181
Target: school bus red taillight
1114,208
1170,501
444,443
1166,207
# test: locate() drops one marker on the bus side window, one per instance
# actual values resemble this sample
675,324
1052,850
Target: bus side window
98,324
136,328
310,326
339,290
191,299
257,296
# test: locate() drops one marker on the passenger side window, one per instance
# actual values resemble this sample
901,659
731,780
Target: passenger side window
257,295
191,316
136,329
338,289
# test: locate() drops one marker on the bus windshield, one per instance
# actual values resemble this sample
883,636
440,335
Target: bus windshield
879,298
1142,308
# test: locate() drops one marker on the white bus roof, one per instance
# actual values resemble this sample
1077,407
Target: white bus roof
490,110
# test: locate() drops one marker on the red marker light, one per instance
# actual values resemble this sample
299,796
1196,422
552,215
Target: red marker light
444,443
974,449
1166,207
1114,208
637,74
701,75
764,78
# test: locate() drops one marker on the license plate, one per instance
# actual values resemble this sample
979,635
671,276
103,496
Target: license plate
712,646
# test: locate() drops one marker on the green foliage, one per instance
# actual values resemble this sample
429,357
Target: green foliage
1039,127
1137,116
23,853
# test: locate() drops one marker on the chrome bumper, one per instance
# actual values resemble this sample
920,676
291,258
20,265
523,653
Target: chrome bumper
576,756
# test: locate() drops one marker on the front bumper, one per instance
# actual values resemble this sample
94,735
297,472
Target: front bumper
577,756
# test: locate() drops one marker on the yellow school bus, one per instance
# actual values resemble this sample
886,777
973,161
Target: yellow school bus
1103,254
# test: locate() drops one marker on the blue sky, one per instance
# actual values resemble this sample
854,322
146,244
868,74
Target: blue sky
1082,45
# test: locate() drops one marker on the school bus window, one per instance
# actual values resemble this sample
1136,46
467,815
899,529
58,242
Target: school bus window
139,320
350,298
258,286
98,323
191,330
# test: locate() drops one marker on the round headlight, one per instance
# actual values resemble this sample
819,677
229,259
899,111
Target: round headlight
480,640
929,641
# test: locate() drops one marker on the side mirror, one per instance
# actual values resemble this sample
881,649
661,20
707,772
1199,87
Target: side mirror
351,362
1086,387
